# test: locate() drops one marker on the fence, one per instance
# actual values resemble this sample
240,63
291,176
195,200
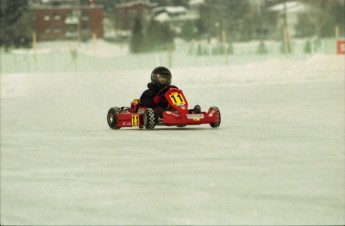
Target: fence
61,57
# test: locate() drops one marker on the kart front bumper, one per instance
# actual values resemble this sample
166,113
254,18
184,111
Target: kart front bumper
175,119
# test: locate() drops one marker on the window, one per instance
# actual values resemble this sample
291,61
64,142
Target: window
46,17
85,16
85,27
57,30
57,16
71,28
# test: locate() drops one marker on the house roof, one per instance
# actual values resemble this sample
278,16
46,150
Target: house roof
170,10
291,7
136,3
196,2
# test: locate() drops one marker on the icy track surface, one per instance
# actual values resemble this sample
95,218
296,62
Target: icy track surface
277,158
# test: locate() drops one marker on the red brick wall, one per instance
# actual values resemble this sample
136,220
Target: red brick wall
95,21
41,25
55,27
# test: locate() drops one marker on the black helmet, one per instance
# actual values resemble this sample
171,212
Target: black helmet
161,76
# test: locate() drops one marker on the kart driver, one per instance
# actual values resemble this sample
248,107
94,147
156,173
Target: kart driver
153,97
160,79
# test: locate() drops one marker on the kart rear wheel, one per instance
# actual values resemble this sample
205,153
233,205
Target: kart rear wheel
217,123
112,117
149,119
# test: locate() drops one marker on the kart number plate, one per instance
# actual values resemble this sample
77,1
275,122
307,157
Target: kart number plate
195,116
177,99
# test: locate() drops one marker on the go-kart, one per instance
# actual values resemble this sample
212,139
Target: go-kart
177,113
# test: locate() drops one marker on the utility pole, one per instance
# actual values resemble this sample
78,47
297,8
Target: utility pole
286,38
77,14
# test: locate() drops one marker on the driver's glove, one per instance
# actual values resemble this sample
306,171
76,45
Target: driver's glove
157,99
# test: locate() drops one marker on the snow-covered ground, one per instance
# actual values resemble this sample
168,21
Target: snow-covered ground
277,158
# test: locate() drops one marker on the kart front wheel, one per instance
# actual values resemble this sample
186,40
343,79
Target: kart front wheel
112,117
149,119
216,124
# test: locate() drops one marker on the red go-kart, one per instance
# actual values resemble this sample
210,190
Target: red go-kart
177,114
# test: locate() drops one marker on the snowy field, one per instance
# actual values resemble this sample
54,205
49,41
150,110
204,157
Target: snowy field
277,158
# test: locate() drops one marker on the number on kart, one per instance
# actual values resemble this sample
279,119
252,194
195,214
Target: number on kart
177,99
135,120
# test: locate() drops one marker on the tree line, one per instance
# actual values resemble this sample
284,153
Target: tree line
241,20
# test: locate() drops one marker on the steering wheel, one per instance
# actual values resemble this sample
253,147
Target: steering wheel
166,88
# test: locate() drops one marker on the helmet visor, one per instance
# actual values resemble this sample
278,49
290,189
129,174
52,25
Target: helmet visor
164,79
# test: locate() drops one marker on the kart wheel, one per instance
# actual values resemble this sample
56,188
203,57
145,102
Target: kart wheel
112,117
217,123
149,119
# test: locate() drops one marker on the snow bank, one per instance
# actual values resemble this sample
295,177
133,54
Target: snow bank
318,67
97,48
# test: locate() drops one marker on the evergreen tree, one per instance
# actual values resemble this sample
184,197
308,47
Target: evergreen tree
137,41
158,36
188,31
305,26
16,25
321,18
234,17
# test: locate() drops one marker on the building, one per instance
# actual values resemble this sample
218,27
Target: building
54,20
289,11
127,13
175,16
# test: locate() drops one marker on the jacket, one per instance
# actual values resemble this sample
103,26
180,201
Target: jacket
146,99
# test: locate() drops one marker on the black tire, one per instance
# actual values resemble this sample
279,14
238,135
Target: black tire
149,119
112,117
217,123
